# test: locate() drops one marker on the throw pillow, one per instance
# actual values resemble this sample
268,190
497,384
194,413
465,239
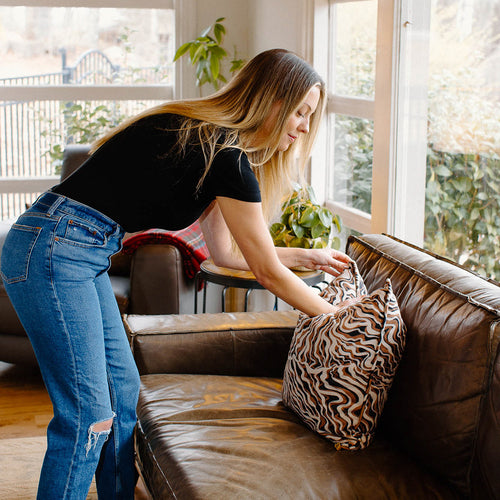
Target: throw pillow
341,365
347,285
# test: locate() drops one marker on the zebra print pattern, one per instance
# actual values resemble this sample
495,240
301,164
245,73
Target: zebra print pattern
348,285
341,366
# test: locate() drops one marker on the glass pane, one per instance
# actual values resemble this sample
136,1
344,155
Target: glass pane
33,136
79,45
352,161
463,163
355,32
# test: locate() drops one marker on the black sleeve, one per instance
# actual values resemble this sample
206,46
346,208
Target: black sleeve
231,176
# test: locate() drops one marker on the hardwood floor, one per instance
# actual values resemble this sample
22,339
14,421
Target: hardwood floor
25,408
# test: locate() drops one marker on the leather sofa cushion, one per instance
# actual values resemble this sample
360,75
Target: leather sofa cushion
223,437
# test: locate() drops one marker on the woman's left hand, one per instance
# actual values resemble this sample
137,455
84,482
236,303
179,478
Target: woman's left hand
327,260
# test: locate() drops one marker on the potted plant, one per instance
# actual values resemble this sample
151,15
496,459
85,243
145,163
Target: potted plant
206,55
306,224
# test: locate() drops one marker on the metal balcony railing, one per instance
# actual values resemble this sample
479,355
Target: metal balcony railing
32,131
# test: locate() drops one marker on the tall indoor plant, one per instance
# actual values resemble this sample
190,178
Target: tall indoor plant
206,54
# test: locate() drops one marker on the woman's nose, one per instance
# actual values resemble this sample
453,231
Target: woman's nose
304,126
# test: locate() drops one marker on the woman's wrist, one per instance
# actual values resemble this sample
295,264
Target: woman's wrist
292,257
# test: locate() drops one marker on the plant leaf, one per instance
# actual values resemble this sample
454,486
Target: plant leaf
214,67
298,229
317,230
325,216
337,221
219,31
182,50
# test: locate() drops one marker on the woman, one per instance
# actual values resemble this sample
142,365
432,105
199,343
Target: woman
226,160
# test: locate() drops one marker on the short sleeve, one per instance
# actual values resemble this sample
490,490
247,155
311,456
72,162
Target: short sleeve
231,176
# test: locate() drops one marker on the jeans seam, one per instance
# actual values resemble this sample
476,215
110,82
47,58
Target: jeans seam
73,363
116,439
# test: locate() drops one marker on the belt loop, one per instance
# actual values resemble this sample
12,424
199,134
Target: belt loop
54,205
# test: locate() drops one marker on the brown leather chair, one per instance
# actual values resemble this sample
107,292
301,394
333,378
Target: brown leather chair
150,281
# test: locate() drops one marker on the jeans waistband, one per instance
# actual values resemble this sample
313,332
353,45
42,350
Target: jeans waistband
50,203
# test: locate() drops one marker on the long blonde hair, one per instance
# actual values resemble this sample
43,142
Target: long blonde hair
238,111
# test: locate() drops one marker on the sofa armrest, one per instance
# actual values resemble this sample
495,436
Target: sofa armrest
246,344
158,283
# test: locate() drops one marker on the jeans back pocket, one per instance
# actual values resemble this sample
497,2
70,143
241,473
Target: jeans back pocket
16,252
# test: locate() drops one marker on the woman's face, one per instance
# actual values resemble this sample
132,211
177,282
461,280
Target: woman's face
297,123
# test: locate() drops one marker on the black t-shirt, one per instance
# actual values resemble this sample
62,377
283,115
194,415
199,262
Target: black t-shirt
139,179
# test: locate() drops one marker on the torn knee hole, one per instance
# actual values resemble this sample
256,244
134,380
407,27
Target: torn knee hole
102,426
96,431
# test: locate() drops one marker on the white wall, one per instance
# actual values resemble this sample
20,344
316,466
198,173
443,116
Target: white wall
281,24
257,25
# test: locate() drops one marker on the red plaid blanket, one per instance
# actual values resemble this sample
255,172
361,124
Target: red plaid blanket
189,241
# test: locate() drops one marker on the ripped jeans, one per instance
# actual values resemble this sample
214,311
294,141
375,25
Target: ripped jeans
54,266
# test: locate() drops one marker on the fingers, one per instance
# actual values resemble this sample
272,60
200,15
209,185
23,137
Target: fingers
334,269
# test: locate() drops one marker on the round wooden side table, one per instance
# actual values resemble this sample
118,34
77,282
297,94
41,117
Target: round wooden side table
233,278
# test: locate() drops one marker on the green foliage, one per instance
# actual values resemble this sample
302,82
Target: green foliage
305,224
206,54
462,209
353,162
83,124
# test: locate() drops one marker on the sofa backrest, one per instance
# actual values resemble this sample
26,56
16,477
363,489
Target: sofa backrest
444,405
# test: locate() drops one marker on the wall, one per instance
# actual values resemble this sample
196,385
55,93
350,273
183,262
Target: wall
281,24
257,25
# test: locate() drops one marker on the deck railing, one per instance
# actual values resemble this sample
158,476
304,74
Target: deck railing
30,131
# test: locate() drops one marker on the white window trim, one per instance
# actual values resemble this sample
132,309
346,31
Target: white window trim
399,111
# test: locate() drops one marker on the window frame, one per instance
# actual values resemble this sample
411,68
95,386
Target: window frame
184,27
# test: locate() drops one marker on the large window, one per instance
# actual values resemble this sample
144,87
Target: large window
412,145
70,71
359,110
462,207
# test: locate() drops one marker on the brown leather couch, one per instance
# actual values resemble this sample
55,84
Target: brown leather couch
151,281
212,424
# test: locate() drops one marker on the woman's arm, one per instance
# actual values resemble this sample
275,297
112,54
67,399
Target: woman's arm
221,247
246,223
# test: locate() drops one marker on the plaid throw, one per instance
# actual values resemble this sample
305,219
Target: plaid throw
189,241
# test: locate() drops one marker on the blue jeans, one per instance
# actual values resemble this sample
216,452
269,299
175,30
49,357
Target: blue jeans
54,266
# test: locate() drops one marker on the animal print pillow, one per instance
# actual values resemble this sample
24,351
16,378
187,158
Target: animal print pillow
340,366
348,285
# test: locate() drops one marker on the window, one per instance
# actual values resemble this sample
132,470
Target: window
70,70
462,206
358,60
429,129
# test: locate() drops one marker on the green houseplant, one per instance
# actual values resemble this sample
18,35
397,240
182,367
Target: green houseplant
206,54
306,224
